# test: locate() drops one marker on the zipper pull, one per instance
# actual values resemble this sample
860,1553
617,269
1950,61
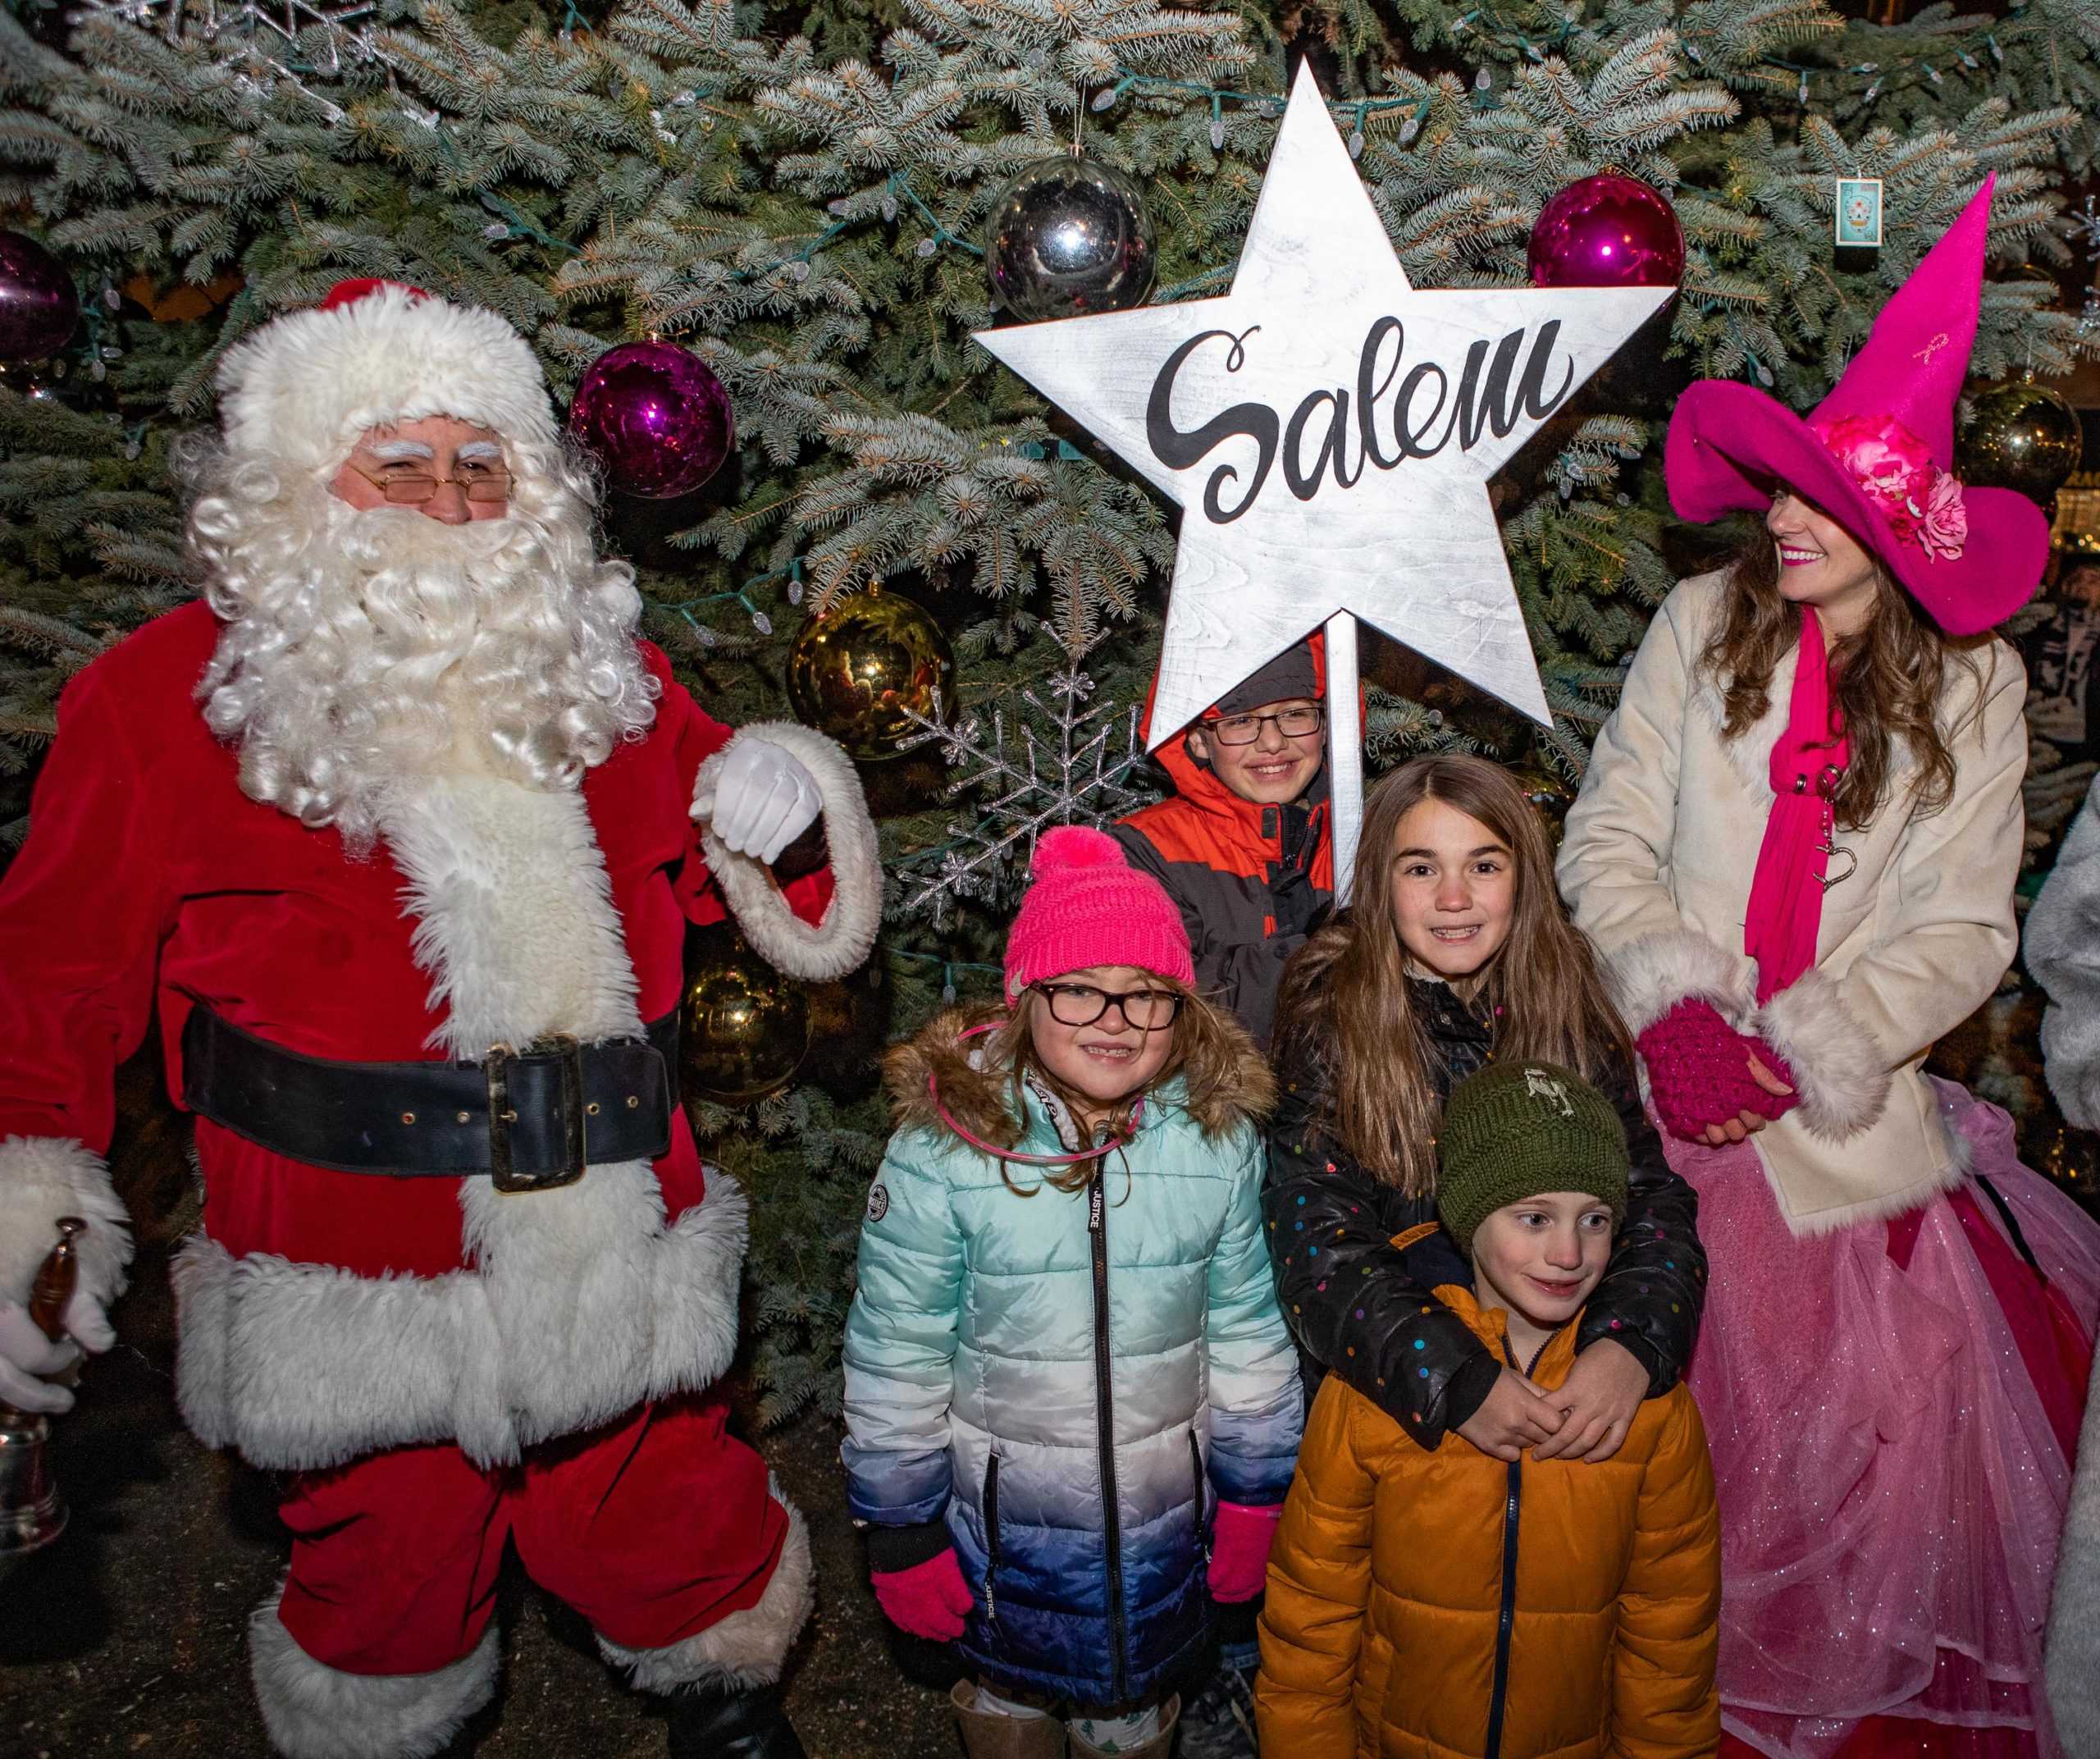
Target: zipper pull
991,1601
1094,1215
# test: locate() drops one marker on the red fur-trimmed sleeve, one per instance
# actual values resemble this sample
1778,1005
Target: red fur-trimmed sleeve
82,911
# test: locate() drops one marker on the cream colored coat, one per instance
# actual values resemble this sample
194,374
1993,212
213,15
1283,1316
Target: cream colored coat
1656,865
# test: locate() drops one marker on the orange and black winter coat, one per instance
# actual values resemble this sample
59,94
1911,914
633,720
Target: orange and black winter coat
1444,1605
1251,881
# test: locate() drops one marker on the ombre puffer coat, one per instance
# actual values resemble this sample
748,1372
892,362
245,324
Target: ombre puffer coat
1069,1380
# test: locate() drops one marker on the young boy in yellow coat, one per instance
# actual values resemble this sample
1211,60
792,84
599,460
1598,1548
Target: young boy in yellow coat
1423,1605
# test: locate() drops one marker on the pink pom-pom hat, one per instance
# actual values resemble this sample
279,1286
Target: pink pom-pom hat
1876,455
1086,906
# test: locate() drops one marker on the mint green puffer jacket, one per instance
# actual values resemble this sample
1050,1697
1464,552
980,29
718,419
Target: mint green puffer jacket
1070,1380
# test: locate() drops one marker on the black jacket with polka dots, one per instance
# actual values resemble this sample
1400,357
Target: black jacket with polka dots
1356,1308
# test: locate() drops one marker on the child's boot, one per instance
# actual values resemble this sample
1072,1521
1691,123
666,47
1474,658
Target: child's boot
986,1735
1157,1747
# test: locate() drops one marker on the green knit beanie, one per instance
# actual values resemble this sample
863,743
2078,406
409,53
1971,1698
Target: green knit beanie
1519,1129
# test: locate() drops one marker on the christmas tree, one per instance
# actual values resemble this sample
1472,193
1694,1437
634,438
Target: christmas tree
799,196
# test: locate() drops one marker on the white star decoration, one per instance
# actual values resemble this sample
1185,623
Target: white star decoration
1330,432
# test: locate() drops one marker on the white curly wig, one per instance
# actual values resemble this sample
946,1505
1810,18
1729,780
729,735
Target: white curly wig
363,647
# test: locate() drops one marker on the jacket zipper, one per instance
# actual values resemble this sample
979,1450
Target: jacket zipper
991,1539
1196,1462
1505,1625
1104,1417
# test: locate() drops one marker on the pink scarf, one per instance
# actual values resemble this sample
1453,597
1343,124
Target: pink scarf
1785,895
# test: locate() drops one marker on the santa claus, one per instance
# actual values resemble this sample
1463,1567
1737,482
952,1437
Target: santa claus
397,833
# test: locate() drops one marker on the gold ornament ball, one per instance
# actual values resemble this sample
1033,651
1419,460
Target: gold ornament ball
744,1029
857,668
2022,436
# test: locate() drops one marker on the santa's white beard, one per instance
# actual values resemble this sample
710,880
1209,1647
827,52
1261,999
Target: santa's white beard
364,649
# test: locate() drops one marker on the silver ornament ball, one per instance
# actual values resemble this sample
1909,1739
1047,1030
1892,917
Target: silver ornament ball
1067,238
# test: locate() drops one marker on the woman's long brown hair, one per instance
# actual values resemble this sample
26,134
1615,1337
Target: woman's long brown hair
1889,680
1347,1012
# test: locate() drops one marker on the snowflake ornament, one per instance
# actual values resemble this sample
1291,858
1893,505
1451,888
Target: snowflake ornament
2087,222
1062,763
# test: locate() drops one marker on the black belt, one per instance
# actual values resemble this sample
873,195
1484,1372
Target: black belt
531,1119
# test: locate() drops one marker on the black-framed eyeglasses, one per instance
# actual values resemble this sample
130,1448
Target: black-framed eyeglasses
418,488
1082,1004
1245,730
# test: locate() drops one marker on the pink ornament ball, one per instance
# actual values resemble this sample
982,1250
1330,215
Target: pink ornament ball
1608,230
657,419
38,306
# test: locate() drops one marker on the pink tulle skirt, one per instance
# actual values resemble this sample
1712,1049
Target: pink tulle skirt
1892,1409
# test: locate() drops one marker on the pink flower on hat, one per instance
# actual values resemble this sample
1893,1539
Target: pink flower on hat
1944,529
1089,907
1920,502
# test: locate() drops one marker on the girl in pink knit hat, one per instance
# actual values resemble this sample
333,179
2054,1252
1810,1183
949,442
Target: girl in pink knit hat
1795,850
1072,1406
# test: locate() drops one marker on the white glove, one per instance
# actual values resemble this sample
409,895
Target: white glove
27,1355
763,799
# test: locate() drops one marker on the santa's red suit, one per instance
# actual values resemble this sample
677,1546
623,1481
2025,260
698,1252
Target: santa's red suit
440,1365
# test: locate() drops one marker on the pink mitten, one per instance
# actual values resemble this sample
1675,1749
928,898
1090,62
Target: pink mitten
1699,1069
1239,1549
928,1599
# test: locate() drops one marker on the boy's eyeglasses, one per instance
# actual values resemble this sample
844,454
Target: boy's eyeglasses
1082,1004
416,488
1245,730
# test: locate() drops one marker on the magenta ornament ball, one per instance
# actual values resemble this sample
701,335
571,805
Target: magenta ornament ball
38,305
657,419
1608,230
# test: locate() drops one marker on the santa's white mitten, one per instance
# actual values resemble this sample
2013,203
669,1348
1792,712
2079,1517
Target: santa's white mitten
763,798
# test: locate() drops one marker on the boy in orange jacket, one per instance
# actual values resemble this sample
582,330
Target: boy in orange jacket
1431,1603
1244,845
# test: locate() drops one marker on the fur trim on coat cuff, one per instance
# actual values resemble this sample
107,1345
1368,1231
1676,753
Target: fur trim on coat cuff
1838,1070
744,1649
2071,1061
41,1179
302,1366
312,1711
2073,1666
1649,976
838,944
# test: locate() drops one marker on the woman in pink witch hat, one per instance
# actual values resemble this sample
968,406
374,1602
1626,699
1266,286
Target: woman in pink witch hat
1796,849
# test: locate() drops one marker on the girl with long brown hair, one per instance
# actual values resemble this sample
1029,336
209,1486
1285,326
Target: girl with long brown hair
1795,851
1455,951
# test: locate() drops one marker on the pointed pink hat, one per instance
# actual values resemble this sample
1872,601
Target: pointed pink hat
1876,455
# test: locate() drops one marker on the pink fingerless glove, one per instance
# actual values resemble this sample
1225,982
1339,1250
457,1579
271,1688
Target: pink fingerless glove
929,1599
1699,1071
1239,1549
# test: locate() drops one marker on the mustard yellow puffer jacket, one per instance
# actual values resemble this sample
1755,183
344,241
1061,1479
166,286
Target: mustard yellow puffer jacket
1448,1606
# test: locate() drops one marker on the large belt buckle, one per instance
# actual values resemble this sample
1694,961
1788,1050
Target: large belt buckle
503,1169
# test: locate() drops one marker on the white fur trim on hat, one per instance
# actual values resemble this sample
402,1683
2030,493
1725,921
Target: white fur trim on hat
304,386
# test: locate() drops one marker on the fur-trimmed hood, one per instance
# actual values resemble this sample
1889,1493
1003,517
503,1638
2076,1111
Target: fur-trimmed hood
1224,1081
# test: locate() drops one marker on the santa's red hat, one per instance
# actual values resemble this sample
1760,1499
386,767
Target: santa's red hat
372,354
